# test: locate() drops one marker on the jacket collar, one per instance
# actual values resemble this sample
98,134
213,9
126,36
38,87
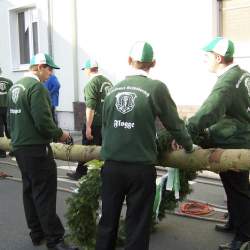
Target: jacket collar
223,71
30,74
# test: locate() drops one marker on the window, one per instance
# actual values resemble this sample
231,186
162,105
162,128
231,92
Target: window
24,36
234,19
234,24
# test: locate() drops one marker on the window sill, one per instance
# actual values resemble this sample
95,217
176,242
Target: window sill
20,68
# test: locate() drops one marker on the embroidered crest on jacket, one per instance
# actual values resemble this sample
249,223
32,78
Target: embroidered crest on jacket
15,94
125,102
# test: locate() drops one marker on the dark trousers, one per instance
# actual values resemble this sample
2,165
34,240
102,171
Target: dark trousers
3,124
236,185
53,111
97,140
97,136
39,176
136,184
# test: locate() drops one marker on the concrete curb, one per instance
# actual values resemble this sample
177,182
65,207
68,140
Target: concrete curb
208,174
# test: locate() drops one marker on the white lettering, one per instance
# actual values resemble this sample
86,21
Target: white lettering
139,89
129,88
15,111
115,89
241,79
126,125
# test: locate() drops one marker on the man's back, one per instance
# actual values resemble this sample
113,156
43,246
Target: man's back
226,110
30,119
94,94
129,112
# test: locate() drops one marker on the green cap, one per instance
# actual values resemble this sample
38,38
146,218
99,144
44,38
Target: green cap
90,64
221,46
142,52
41,58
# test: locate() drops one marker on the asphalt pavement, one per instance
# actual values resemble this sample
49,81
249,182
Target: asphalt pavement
175,232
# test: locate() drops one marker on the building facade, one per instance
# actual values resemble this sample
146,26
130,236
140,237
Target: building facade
74,30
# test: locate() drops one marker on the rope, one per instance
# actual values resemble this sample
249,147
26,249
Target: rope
195,208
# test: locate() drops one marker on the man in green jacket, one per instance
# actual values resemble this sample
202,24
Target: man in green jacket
94,93
129,150
223,121
32,129
5,85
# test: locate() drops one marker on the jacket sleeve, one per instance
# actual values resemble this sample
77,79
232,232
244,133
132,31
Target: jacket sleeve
212,109
167,112
91,95
55,85
41,113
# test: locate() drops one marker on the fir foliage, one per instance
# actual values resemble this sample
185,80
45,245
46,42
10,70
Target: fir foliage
83,207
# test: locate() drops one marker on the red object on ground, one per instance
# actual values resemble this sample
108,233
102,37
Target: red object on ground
3,175
195,208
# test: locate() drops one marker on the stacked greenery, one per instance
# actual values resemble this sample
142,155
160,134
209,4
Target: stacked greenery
83,207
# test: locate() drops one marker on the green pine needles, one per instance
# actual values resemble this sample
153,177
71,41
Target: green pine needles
83,211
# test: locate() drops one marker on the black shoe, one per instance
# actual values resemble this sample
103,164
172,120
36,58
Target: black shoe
3,155
38,242
234,245
37,238
62,246
11,154
75,176
81,170
225,228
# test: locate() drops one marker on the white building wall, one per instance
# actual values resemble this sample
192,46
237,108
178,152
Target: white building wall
5,42
63,33
177,30
105,30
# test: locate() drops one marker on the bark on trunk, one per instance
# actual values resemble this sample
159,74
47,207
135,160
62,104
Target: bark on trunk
202,159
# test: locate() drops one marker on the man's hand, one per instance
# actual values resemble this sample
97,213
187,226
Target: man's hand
89,135
195,147
65,136
175,146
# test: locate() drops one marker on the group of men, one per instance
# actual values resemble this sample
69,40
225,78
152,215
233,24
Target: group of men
122,120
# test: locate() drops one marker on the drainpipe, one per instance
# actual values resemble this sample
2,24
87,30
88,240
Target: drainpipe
75,50
217,17
50,30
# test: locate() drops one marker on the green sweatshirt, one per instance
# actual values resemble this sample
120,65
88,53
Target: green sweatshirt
30,120
226,111
94,94
129,113
5,85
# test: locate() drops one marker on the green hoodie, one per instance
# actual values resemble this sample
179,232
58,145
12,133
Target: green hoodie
129,113
30,120
226,112
94,93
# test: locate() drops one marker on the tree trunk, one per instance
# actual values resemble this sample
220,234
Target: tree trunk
202,159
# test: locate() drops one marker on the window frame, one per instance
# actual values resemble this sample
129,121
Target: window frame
14,35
